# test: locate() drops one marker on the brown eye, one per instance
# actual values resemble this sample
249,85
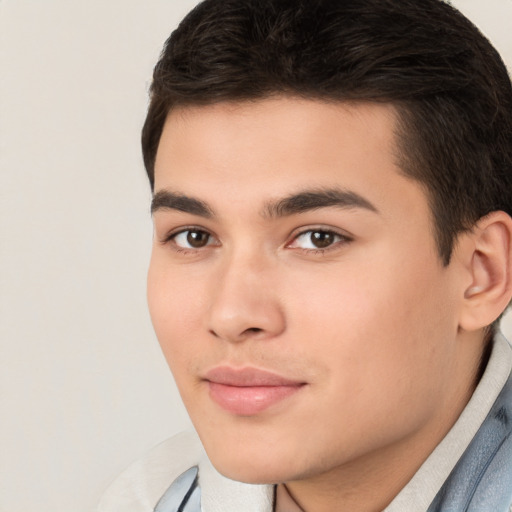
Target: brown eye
197,238
323,239
192,239
318,239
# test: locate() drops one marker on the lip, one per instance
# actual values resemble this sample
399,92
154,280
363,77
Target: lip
248,391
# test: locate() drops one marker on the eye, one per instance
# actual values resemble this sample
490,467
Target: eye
317,239
192,239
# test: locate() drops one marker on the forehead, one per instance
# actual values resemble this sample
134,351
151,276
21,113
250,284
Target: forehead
248,152
280,123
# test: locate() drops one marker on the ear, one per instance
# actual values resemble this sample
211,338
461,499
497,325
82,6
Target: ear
489,262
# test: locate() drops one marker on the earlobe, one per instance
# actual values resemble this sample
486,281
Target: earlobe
490,267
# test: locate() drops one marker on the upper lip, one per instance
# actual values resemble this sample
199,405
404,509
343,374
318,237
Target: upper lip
247,377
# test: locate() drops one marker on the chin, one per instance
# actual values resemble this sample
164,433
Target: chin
254,451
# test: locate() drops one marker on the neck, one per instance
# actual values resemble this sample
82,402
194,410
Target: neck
367,484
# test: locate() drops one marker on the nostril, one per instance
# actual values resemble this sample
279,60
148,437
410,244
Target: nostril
250,330
253,330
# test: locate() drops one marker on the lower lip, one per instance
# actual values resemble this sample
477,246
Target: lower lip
249,400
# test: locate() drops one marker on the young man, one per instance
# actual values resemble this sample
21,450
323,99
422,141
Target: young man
332,188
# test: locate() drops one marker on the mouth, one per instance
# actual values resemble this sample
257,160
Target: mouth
248,391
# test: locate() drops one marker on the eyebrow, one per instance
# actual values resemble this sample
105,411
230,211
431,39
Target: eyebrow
167,200
315,199
301,202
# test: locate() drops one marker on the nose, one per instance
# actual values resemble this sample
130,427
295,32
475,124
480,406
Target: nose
244,303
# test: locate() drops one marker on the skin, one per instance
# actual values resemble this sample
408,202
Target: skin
370,324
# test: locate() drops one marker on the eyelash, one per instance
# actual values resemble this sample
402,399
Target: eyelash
340,239
171,237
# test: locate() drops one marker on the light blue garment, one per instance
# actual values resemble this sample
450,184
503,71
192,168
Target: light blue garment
184,495
482,479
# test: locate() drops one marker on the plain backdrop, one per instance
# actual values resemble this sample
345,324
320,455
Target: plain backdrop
84,389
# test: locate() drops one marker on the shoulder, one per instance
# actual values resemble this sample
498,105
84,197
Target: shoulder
482,479
144,482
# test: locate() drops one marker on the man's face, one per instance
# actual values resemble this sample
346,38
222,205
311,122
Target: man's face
296,289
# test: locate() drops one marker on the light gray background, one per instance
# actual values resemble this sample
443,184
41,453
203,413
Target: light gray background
84,389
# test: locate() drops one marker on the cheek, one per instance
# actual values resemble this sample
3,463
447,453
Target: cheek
377,321
380,339
174,303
